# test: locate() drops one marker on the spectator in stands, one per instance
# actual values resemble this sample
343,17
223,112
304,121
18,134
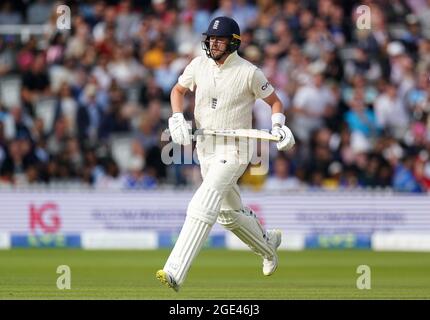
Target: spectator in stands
17,123
26,54
359,83
35,84
282,179
417,98
7,57
363,65
423,16
360,118
110,179
56,141
390,112
331,65
89,117
333,178
404,179
8,15
66,107
124,68
136,178
127,21
39,11
18,159
115,118
312,102
73,156
166,75
422,170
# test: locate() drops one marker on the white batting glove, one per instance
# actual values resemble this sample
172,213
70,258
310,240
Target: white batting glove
180,130
287,139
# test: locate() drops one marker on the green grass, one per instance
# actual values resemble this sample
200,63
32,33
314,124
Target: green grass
216,274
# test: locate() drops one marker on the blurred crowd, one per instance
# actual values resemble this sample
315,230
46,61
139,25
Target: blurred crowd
92,101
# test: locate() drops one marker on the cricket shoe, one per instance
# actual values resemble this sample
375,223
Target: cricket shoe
166,279
274,240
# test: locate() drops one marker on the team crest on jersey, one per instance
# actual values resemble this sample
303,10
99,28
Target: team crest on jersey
215,26
214,103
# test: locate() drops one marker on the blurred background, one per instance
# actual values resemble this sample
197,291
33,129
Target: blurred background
87,105
83,109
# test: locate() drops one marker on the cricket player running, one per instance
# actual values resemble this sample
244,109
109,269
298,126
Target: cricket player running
226,87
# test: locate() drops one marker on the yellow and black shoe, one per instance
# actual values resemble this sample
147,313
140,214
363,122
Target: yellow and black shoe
166,279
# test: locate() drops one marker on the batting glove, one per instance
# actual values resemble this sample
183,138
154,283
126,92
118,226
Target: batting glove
180,130
287,140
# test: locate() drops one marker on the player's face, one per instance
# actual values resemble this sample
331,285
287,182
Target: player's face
218,46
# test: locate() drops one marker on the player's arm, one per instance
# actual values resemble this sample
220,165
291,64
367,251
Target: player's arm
278,122
273,101
177,98
262,89
180,129
186,82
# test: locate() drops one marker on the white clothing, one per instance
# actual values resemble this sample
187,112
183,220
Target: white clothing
311,99
391,114
225,94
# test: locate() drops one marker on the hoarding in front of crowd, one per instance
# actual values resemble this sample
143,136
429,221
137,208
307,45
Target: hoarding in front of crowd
152,219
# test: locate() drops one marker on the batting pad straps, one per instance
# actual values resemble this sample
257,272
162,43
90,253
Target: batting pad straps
245,225
278,119
205,205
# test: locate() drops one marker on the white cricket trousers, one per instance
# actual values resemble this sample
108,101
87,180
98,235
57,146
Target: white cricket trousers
223,161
